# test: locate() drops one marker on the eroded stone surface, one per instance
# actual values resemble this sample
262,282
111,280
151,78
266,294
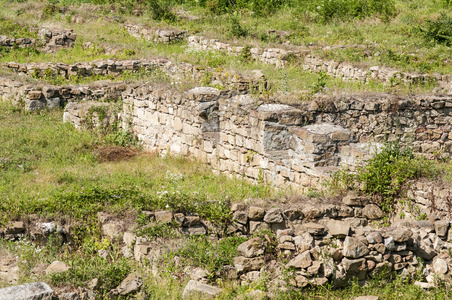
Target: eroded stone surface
27,291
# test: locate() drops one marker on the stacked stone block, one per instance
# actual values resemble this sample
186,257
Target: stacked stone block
281,57
156,34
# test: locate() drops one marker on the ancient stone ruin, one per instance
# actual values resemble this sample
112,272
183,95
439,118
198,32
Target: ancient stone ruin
238,134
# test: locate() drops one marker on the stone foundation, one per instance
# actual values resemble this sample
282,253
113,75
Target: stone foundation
346,71
279,144
156,34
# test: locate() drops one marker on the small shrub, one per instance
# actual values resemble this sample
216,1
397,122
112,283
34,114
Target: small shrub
320,85
245,53
121,137
236,29
49,10
325,11
161,10
217,7
438,31
385,173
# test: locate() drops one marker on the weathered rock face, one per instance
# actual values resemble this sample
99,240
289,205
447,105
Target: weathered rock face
251,248
354,248
56,38
28,291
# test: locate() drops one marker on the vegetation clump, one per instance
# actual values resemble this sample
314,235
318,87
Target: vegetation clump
385,173
438,31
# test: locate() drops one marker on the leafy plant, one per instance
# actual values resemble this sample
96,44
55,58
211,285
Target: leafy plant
245,53
386,172
320,85
49,10
161,10
439,31
235,28
202,252
325,11
121,137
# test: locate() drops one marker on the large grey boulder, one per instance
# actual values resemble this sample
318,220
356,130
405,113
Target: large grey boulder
27,291
197,290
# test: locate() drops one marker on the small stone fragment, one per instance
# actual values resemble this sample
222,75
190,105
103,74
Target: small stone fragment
56,267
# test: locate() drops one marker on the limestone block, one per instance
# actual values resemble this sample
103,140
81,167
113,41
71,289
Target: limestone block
27,291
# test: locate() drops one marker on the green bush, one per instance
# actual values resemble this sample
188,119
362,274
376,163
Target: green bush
161,10
236,29
385,173
439,31
121,137
257,7
49,10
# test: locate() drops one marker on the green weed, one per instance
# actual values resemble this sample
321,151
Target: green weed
438,31
386,172
211,255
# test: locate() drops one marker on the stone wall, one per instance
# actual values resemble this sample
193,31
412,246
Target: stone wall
220,128
279,144
55,38
422,121
156,34
177,72
318,241
52,39
19,42
427,198
34,96
275,56
347,71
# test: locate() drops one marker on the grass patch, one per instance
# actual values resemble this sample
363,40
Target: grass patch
205,253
